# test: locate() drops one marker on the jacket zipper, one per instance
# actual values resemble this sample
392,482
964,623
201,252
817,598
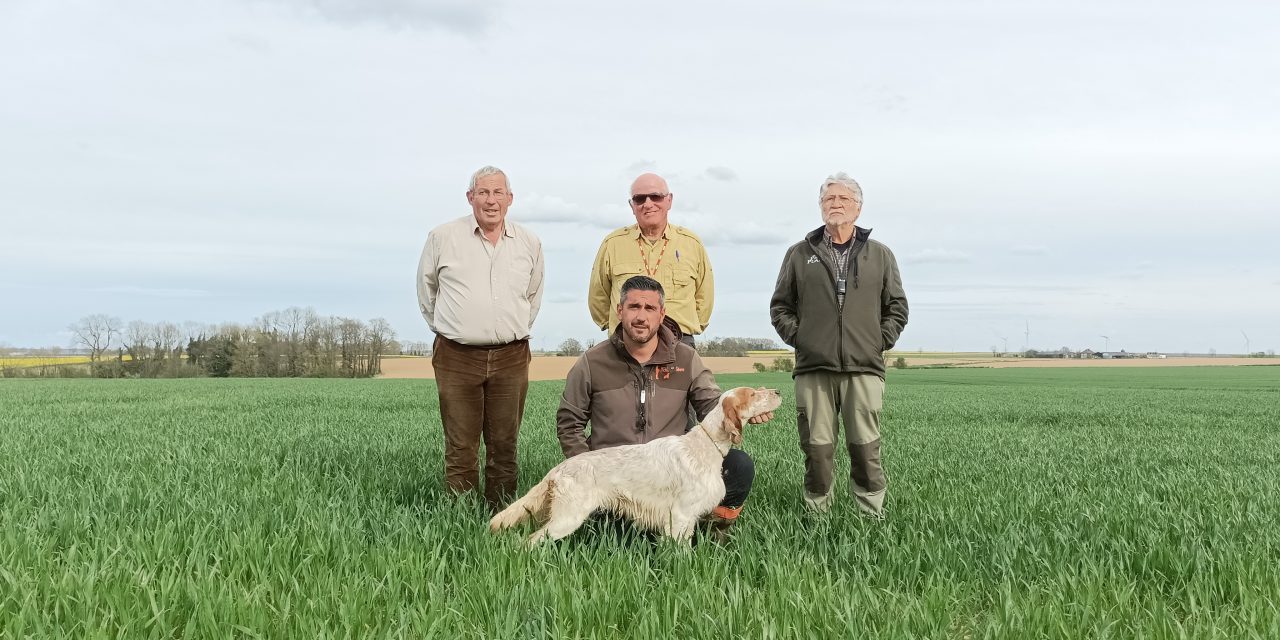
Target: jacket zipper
642,415
831,271
854,252
853,266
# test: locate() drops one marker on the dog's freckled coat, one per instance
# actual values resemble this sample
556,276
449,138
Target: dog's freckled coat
664,485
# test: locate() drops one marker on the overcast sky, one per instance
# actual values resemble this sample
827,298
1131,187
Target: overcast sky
1087,168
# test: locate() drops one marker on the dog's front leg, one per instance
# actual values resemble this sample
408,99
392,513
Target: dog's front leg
680,527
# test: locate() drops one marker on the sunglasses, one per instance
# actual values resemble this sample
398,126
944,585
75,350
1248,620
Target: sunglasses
639,198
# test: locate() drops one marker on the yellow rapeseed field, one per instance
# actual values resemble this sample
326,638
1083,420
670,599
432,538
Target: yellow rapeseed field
41,361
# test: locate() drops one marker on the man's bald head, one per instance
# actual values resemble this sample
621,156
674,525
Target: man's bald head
649,183
650,201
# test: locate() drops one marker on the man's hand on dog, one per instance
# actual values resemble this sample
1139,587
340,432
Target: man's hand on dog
764,417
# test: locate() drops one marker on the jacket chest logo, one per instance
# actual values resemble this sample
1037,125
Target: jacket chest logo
664,373
812,260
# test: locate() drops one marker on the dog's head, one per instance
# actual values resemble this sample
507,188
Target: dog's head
744,403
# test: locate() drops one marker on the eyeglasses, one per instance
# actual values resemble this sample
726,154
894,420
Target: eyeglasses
843,199
639,198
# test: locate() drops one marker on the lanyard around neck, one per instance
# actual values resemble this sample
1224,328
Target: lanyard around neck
645,256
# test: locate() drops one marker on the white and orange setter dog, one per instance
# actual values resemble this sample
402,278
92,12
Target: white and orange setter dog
665,485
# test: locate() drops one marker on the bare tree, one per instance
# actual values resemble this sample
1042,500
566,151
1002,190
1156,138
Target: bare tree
415,347
350,335
381,335
293,342
96,333
194,330
268,347
295,323
244,361
167,339
136,337
571,347
328,348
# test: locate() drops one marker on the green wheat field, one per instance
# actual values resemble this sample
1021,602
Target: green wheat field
1024,503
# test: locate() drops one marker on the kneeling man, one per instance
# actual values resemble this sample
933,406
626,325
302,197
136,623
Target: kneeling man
634,387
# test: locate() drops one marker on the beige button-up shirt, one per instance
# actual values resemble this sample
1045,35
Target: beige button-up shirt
473,292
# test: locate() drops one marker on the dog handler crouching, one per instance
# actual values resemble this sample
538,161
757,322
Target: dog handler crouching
633,388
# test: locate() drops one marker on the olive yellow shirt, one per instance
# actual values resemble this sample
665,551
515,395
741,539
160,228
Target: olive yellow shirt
678,261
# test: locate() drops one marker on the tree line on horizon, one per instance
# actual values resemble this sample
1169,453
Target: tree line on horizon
731,347
295,342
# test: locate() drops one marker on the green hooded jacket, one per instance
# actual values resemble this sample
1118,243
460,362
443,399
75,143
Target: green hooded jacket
826,335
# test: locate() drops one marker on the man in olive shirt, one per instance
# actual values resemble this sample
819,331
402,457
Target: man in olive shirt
652,247
479,288
839,302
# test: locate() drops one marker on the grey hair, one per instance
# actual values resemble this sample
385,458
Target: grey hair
487,171
841,178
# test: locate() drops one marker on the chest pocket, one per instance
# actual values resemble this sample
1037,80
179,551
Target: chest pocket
519,273
870,272
619,272
681,276
624,270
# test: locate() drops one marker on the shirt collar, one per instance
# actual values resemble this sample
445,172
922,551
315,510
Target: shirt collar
633,231
506,228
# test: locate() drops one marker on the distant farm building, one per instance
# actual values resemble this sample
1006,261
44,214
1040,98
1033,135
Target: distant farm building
1116,355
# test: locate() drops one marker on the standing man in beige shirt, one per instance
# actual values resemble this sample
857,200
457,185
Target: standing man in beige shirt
670,254
480,287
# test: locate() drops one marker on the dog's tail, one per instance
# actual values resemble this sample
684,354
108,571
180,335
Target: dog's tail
534,504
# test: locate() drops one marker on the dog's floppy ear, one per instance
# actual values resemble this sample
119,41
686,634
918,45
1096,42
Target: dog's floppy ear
734,406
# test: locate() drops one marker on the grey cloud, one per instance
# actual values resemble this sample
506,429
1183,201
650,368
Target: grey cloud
456,15
641,166
970,306
1011,288
937,256
724,174
742,234
251,42
554,209
130,290
1030,250
884,99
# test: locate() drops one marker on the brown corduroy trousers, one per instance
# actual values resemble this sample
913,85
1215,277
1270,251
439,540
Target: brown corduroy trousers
482,393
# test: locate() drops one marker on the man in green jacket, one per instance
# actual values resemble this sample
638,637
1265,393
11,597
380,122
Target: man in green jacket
839,302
